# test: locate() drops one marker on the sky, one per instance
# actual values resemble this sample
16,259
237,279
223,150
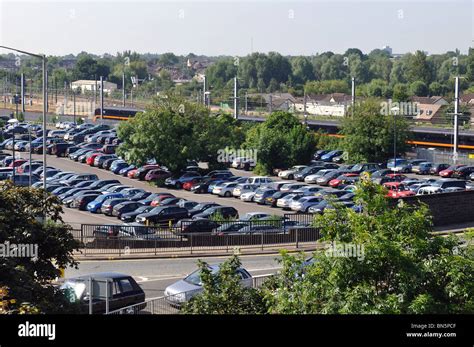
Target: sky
236,28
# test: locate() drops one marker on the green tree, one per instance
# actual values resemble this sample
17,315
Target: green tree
326,87
28,279
437,88
223,292
419,88
369,133
281,141
88,68
400,92
418,68
401,269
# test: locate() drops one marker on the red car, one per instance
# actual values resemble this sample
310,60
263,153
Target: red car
160,198
90,159
131,173
450,170
397,190
157,174
17,163
142,171
341,179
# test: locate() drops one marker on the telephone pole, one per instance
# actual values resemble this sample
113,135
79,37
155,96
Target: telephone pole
236,99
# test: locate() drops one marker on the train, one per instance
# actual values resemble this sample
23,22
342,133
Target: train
422,136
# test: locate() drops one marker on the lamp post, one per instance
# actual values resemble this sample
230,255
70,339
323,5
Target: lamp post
395,111
43,57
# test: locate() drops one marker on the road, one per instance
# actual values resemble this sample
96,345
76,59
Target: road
154,275
76,217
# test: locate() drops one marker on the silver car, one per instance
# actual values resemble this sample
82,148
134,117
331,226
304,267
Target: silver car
182,291
290,173
243,188
225,189
286,201
303,204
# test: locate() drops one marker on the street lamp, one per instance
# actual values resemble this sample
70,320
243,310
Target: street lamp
395,111
43,58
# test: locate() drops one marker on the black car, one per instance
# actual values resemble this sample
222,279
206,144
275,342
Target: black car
140,196
130,216
201,207
436,168
225,212
185,226
60,149
102,183
319,154
125,207
163,215
108,206
118,289
463,172
310,170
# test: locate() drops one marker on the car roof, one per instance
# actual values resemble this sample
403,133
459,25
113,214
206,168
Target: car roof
99,275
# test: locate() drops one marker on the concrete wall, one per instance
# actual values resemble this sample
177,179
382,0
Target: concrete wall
448,208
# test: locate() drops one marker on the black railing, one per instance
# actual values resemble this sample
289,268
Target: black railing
189,237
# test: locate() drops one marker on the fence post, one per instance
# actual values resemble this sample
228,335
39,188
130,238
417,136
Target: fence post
155,245
191,243
82,233
226,243
296,237
262,239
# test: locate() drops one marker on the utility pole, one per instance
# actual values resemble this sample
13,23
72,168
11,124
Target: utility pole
236,98
23,92
74,104
29,140
101,98
246,103
204,90
304,110
123,89
46,91
456,114
353,95
65,98
95,90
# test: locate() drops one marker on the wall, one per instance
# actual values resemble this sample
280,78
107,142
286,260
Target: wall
448,208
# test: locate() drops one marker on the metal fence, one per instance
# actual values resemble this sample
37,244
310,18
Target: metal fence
172,304
124,240
437,156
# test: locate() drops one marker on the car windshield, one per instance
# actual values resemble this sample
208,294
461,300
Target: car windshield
73,290
195,277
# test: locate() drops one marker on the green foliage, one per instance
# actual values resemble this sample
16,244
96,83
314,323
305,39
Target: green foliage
400,92
327,87
281,141
403,268
28,279
369,134
89,68
174,131
223,292
20,116
419,88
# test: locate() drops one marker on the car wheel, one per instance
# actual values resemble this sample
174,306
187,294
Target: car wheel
291,177
178,185
227,194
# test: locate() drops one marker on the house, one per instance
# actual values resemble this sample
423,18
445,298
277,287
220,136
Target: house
276,101
90,85
429,100
333,105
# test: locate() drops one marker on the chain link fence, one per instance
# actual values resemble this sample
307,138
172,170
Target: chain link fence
437,156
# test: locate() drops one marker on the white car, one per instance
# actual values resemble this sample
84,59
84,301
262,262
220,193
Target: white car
429,190
286,201
247,197
290,173
314,178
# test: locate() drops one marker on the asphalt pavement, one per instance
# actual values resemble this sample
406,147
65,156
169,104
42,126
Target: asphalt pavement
154,275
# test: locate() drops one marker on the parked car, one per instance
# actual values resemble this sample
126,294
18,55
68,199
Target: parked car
179,181
96,205
182,291
437,168
225,212
130,216
157,174
422,168
187,225
261,194
290,173
447,173
125,207
121,289
463,172
330,155
201,207
397,190
162,215
226,189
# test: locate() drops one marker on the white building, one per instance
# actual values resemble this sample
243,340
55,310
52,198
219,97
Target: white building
90,85
333,105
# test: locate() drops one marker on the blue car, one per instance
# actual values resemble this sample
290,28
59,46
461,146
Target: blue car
329,156
95,205
213,184
125,170
117,166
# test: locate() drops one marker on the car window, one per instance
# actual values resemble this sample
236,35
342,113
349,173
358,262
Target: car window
125,285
